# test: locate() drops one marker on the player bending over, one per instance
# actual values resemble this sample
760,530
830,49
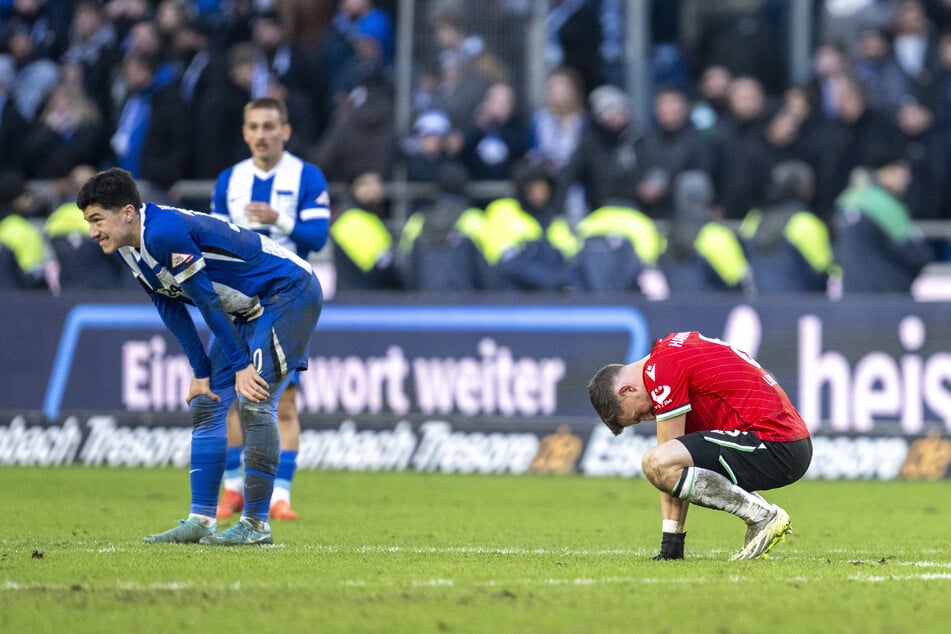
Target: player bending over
725,429
260,301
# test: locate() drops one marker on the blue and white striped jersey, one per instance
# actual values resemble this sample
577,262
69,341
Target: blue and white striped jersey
297,190
227,272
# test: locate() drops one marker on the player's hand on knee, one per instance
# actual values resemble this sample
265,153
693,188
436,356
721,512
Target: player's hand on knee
251,385
201,387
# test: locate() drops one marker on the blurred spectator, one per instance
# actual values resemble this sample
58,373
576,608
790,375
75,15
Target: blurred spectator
670,147
742,156
886,84
307,21
150,135
364,251
557,126
852,137
605,161
22,251
915,40
234,25
927,157
282,71
797,129
842,20
742,36
361,137
527,243
92,54
138,81
436,254
618,249
433,145
69,132
713,100
830,61
33,74
703,254
220,115
123,14
788,246
170,16
334,68
937,96
199,68
46,34
497,136
144,38
466,67
12,123
875,243
369,28
586,35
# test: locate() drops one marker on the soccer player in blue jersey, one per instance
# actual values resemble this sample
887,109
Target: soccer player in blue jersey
261,303
278,195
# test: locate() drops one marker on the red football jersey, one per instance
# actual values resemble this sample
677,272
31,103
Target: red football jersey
718,387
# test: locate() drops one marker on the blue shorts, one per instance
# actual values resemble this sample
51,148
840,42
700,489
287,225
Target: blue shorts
278,341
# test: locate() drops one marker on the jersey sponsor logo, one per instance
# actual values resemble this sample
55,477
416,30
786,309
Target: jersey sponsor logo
179,259
678,339
323,199
650,371
661,394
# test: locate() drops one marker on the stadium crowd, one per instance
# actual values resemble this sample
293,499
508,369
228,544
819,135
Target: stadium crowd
741,180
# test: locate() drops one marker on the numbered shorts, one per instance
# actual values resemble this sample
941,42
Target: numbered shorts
278,341
751,463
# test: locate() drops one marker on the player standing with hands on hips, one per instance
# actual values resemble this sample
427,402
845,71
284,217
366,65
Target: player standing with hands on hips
278,195
725,429
261,303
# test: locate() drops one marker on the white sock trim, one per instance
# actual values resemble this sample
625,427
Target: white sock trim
204,520
280,494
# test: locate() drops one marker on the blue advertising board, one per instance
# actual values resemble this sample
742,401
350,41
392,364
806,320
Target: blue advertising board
863,364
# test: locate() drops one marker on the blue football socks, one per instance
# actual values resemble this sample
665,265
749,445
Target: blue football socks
286,469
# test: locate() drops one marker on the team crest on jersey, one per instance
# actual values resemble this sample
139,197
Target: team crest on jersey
181,258
661,394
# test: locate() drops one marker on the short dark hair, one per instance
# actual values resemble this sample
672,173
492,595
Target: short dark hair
268,103
112,189
603,398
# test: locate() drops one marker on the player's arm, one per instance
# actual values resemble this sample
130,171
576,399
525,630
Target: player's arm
219,197
310,229
175,316
673,509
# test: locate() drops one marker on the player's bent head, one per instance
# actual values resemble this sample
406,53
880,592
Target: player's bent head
113,188
603,397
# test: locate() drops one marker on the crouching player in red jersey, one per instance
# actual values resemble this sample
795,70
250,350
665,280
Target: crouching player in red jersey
725,429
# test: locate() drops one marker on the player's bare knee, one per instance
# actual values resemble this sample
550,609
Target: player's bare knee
651,464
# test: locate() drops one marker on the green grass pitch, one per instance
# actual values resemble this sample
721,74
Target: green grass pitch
414,552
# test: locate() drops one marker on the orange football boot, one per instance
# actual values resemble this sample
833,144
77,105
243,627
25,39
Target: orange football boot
281,510
231,502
